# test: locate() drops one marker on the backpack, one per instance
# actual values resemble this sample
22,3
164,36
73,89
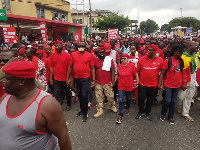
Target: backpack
170,64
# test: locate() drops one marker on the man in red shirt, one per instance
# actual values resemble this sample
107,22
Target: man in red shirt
82,64
59,64
148,68
105,79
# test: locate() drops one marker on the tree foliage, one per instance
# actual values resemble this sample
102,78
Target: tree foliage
149,26
165,28
113,21
185,22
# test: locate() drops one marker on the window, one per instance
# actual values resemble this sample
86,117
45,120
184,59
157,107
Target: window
40,12
60,16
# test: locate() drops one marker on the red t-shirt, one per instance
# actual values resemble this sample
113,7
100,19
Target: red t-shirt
60,63
149,71
117,56
173,75
102,77
35,61
159,53
125,76
134,59
47,63
82,63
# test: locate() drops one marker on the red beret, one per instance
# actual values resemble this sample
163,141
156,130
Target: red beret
39,51
125,55
141,41
58,42
22,50
152,46
100,48
107,47
21,69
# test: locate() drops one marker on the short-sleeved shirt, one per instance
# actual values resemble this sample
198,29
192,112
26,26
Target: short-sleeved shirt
102,77
149,70
82,63
173,77
47,63
125,76
60,63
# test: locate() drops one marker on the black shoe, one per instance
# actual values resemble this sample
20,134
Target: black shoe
133,101
171,121
80,113
162,117
149,117
139,115
85,117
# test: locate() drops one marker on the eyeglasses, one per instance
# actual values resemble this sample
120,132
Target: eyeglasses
4,60
123,58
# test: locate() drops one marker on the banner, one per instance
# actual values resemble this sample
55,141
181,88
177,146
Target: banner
10,35
43,31
112,34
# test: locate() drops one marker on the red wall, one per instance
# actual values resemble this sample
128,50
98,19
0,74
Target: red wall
58,30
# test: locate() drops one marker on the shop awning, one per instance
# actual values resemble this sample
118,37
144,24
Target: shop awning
26,20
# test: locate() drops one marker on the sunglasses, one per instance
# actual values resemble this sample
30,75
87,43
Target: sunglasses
4,60
124,58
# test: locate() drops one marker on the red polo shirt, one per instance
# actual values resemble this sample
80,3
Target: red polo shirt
125,76
102,77
149,70
82,63
60,63
174,75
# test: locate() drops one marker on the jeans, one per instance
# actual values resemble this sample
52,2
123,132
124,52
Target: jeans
143,94
170,101
61,90
121,101
83,87
50,89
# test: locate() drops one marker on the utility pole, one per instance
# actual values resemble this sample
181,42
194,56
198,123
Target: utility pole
77,12
181,12
83,12
90,18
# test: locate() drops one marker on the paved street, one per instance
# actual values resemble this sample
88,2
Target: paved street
104,134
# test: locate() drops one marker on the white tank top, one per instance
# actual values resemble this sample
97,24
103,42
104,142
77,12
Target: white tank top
19,132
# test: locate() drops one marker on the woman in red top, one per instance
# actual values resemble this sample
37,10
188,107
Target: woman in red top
125,74
172,74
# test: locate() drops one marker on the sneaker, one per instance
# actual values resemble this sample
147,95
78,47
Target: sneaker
85,117
80,113
139,115
188,118
119,120
133,101
89,105
148,116
162,117
171,121
127,112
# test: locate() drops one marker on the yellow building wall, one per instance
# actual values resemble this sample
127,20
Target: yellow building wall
29,9
0,5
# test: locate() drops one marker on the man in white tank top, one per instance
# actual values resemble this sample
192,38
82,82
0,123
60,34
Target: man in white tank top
30,118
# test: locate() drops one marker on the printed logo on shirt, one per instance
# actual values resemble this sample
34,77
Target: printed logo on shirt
176,68
150,67
21,126
155,63
157,54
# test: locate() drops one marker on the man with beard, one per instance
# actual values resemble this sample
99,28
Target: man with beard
82,63
105,79
31,117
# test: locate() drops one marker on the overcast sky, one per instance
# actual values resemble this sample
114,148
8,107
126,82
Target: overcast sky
161,11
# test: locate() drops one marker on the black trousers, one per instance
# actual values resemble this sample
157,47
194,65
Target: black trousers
143,94
61,90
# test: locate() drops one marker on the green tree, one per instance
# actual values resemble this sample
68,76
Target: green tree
149,26
185,22
165,28
113,21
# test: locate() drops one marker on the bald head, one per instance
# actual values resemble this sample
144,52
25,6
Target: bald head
191,46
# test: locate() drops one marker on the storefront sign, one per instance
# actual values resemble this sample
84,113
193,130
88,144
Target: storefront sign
3,15
43,31
112,34
10,35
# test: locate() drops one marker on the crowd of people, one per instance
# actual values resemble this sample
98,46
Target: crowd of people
115,71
